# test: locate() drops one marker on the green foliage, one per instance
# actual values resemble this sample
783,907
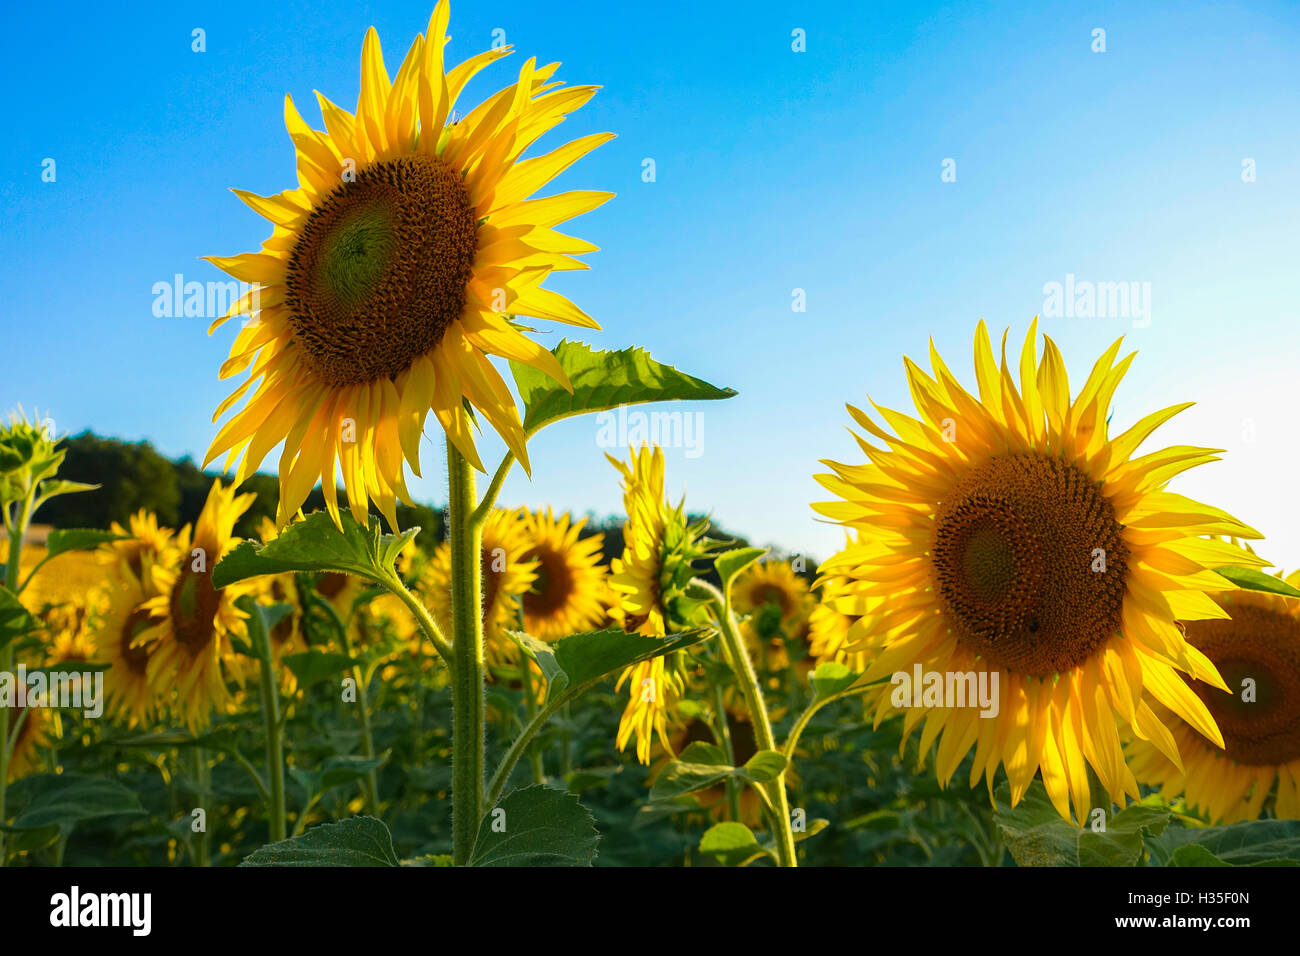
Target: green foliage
1253,579
63,800
358,841
317,544
536,826
601,381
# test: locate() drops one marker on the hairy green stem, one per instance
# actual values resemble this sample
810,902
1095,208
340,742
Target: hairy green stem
516,751
724,735
370,782
743,668
422,616
530,707
17,531
468,668
274,741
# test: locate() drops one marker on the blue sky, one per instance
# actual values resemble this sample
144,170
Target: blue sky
775,170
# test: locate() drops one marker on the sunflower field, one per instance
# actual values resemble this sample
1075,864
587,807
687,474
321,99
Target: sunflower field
1031,648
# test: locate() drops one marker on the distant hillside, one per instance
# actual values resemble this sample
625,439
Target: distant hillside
134,475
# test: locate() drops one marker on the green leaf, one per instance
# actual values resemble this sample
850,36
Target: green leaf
356,841
1194,854
732,844
63,799
601,381
830,678
15,620
1241,844
765,765
312,667
78,539
536,826
336,771
316,544
573,664
1253,579
731,563
1036,835
53,487
702,765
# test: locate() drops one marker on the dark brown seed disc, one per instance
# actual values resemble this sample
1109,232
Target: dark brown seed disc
136,658
1029,564
1258,655
380,270
554,585
194,605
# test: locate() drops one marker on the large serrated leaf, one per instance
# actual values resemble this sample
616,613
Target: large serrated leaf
317,544
357,841
601,381
1036,835
64,799
536,826
1241,844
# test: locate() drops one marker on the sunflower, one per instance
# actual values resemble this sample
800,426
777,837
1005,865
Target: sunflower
659,549
191,621
129,581
1013,537
507,571
771,583
396,269
1257,652
777,602
828,629
566,596
146,544
131,695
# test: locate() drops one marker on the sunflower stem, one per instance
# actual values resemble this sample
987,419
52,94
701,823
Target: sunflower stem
743,668
724,735
201,773
274,739
530,707
468,668
370,782
17,528
494,488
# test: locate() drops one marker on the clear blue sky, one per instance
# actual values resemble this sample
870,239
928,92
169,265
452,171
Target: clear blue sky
776,170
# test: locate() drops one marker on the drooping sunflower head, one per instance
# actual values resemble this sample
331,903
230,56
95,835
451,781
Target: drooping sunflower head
192,621
567,594
1013,534
1257,652
660,549
396,269
507,574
